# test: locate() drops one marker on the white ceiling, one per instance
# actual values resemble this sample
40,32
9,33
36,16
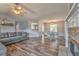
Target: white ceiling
41,11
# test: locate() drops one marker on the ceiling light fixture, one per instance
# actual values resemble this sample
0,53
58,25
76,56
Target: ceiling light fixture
18,10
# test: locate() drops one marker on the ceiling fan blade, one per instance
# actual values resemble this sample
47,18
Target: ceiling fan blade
10,6
27,8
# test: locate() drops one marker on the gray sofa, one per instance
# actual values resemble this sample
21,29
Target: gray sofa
9,38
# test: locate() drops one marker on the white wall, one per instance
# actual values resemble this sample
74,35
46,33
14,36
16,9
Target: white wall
7,29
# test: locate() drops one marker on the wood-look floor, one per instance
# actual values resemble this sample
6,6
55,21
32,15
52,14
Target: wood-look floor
34,47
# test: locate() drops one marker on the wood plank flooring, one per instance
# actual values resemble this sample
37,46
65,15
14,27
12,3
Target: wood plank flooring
34,47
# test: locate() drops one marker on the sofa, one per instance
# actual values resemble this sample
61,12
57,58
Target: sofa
9,38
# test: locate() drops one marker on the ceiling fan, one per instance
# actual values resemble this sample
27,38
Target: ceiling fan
19,8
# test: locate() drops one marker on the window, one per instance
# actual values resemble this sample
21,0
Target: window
53,28
34,26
